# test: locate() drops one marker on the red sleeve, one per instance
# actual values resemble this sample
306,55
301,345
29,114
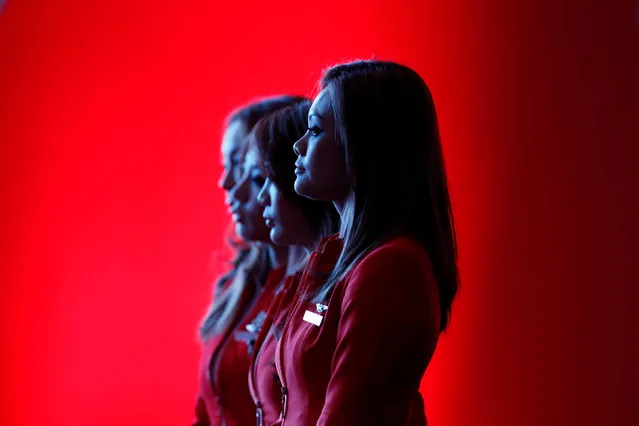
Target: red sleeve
201,416
386,334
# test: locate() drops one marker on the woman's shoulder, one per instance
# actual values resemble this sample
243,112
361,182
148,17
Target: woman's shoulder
395,278
395,252
400,263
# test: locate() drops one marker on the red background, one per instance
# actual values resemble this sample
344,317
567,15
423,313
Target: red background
110,122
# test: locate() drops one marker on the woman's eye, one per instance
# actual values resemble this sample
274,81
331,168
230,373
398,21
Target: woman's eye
314,130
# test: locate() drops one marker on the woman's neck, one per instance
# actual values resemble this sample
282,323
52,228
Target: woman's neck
297,258
278,255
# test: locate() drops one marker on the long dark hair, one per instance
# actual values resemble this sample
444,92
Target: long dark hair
386,123
251,264
274,137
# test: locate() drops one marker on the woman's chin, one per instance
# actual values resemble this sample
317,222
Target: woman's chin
303,187
248,233
276,237
243,232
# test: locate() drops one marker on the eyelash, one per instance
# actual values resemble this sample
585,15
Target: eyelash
258,180
314,130
230,164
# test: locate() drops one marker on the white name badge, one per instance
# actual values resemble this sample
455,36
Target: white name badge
313,318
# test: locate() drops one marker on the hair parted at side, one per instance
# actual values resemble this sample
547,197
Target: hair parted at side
386,123
274,137
251,265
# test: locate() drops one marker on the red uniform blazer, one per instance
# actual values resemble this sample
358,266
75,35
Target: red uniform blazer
224,398
363,363
264,383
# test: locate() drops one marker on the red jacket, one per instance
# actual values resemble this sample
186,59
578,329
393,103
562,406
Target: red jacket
224,398
363,363
264,383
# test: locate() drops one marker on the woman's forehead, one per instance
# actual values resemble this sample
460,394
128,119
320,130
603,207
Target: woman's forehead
321,105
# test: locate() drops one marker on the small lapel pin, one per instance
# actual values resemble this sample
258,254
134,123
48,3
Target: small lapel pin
321,308
255,326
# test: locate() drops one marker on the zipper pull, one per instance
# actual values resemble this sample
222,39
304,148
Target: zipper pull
284,402
259,414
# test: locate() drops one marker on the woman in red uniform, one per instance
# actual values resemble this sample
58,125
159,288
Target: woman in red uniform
355,345
293,221
226,333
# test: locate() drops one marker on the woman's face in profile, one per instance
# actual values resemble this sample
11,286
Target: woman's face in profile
245,209
232,142
320,167
286,221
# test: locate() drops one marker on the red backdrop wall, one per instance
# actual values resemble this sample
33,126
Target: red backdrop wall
110,122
